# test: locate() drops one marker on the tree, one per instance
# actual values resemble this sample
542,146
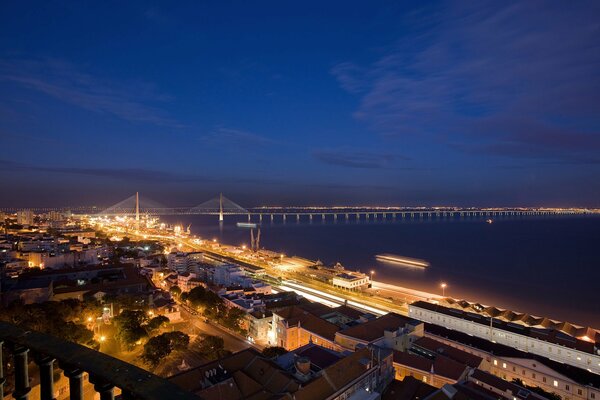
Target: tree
175,291
156,323
211,347
212,305
233,319
129,327
273,351
55,318
178,339
156,349
159,347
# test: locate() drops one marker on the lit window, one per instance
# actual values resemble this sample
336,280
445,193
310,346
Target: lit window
555,383
503,365
495,362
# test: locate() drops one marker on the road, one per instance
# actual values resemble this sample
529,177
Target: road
232,342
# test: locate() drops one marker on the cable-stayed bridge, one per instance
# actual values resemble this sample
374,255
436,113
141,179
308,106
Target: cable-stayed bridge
221,206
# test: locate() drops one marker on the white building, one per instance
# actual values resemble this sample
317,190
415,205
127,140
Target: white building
508,363
550,343
229,275
351,281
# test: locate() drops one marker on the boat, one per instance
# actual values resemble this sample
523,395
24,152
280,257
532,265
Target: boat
401,260
247,225
489,221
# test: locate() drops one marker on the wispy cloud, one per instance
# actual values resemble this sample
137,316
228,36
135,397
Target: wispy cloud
514,79
356,159
126,174
130,101
235,137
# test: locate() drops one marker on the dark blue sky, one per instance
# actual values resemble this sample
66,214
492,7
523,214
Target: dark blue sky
465,103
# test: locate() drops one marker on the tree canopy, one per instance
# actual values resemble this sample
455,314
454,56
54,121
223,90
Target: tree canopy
159,347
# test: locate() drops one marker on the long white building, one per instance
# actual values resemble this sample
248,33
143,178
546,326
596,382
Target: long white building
582,352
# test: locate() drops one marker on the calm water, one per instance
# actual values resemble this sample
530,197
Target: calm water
546,266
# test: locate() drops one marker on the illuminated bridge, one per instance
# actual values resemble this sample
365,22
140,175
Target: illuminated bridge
221,206
105,373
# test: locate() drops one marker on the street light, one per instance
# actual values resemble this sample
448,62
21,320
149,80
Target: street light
372,273
443,285
102,338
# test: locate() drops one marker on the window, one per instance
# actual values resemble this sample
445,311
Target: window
555,383
593,395
567,388
579,392
514,369
495,362
544,379
425,379
533,375
503,365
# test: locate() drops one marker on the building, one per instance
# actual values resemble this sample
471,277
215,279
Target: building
259,326
295,326
508,363
437,372
391,331
351,281
361,375
25,217
563,342
76,283
229,275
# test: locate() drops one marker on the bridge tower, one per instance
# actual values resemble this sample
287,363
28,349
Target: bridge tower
221,207
137,211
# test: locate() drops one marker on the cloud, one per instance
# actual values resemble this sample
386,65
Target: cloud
126,174
355,159
235,137
130,101
469,69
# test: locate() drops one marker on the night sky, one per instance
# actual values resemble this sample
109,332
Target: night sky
390,103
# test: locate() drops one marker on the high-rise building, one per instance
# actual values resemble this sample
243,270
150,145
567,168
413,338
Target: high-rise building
25,217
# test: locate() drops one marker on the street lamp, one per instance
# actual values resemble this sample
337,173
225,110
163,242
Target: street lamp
372,273
443,285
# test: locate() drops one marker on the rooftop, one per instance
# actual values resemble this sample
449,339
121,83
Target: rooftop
581,376
374,329
550,334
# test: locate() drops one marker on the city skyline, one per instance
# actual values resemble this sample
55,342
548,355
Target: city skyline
436,103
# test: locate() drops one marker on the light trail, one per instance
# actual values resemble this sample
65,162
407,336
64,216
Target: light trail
311,296
340,300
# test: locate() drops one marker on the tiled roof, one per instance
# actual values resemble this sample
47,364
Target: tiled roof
336,376
451,352
407,389
551,331
374,329
441,365
581,376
